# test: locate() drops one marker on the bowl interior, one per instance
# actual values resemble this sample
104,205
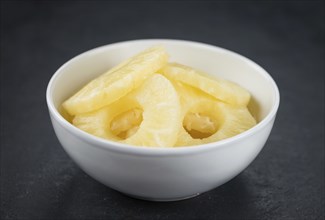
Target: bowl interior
213,60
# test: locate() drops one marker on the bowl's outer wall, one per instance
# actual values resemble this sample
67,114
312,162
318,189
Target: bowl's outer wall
163,178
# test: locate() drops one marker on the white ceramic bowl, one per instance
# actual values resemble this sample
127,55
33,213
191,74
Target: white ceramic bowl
164,174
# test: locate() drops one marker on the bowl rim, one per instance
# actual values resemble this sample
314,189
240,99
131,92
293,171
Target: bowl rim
160,151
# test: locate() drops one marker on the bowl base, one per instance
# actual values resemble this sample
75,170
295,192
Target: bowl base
161,199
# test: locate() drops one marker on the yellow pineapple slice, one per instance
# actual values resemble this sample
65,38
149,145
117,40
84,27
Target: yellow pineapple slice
222,90
65,114
207,120
148,116
117,82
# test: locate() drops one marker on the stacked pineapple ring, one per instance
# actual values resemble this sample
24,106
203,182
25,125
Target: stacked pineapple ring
146,101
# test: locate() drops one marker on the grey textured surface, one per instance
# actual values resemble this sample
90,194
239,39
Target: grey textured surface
39,181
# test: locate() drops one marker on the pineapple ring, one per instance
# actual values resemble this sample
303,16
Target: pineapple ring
117,82
232,121
227,120
158,100
220,89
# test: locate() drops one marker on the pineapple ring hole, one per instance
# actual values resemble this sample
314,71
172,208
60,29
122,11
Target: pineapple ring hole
127,123
200,125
